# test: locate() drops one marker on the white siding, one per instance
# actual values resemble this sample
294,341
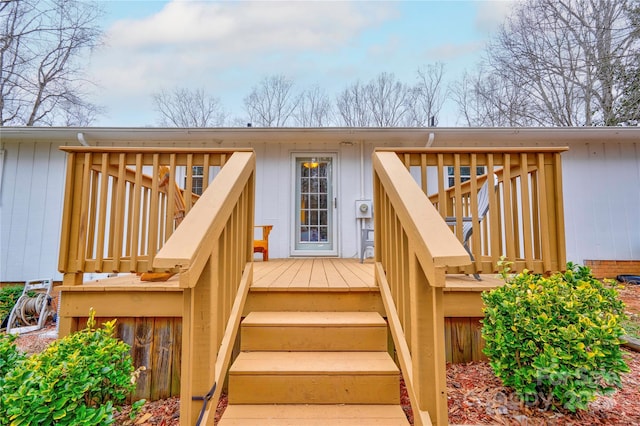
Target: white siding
31,211
601,185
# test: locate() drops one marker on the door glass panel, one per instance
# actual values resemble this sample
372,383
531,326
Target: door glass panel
314,210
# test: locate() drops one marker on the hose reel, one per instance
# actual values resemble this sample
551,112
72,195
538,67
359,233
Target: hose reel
33,307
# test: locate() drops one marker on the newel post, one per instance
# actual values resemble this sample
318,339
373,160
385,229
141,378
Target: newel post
199,339
427,342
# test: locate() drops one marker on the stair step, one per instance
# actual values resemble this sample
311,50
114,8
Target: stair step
314,331
335,301
314,378
313,415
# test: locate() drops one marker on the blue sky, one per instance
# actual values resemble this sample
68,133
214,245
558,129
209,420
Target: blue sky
227,47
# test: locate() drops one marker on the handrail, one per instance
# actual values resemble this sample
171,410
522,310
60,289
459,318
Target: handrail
184,252
435,245
116,213
212,250
414,248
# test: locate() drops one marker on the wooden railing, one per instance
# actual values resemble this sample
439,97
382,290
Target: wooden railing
119,211
414,247
525,220
212,250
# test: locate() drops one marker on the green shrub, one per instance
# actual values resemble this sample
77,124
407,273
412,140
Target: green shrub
76,380
10,356
8,297
555,340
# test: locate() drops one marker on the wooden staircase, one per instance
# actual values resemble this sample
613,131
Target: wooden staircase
327,365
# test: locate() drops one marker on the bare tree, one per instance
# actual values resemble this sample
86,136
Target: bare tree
383,102
627,109
561,56
485,100
353,106
41,46
427,96
314,108
388,100
272,102
189,108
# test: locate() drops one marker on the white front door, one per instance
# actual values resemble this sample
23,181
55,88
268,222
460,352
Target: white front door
314,232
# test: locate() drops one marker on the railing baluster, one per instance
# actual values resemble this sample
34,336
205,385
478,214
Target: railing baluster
535,206
112,218
442,200
84,210
526,211
171,196
507,211
188,189
102,216
494,215
135,231
154,225
128,214
475,223
93,210
119,214
205,175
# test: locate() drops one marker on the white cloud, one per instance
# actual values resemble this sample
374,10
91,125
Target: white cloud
198,44
492,13
243,28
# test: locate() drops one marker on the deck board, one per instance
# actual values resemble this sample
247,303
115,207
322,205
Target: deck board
313,274
338,274
334,279
266,273
353,279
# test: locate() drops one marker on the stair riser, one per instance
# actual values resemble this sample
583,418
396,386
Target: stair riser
314,389
334,338
355,301
314,415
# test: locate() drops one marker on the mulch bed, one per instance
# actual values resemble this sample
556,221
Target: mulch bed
476,397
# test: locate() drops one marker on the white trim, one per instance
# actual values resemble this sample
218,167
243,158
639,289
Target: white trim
2,152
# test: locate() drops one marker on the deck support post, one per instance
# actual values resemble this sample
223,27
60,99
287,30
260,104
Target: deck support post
68,324
428,345
199,338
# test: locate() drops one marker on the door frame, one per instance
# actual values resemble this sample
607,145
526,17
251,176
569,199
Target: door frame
294,155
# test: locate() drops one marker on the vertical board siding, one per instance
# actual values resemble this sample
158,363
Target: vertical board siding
142,351
30,211
155,343
463,340
602,198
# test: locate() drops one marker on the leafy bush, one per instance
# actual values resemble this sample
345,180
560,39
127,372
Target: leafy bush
555,340
10,356
76,380
8,297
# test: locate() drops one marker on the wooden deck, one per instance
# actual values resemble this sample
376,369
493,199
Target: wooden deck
313,274
339,274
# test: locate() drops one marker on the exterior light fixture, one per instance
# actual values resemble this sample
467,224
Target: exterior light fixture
311,164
